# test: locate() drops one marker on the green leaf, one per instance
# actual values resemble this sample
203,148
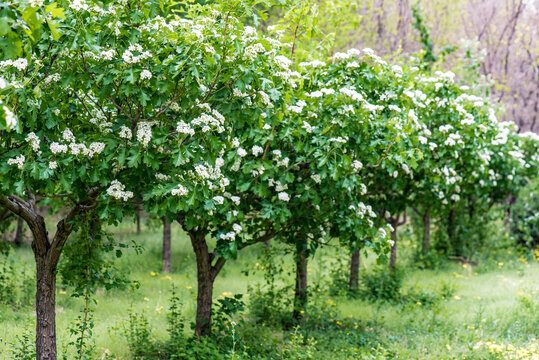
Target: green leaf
53,26
55,11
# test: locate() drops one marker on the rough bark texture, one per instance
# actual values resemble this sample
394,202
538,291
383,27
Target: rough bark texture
45,310
17,241
354,271
426,234
166,246
300,294
393,256
205,280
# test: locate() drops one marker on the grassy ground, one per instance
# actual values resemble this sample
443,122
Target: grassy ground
495,302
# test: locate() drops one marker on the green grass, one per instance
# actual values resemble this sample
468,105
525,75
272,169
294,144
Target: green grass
492,302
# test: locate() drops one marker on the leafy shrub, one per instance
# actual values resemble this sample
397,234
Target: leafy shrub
24,348
139,337
525,217
382,284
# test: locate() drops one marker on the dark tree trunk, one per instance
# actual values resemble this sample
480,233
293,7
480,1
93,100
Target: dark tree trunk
300,294
393,256
426,234
45,310
451,228
137,214
46,254
205,279
166,246
354,271
17,241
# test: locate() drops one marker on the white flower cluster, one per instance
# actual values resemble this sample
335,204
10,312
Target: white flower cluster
313,64
36,3
20,63
180,190
283,196
257,150
206,121
231,236
185,128
316,178
144,133
252,51
339,56
130,58
11,119
33,140
72,147
162,177
356,165
125,132
78,5
19,161
145,75
116,190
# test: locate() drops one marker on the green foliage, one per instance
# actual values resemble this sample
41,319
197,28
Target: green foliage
525,216
139,337
24,348
424,37
16,285
382,284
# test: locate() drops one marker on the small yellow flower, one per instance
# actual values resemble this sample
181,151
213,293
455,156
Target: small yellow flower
418,303
167,277
456,297
159,309
146,299
448,347
152,273
62,292
189,287
301,311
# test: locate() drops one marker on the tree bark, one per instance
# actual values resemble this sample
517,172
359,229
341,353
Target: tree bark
354,271
45,310
205,280
393,256
166,246
17,241
300,294
426,234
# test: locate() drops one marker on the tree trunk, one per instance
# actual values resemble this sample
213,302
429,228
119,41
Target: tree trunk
426,234
393,256
166,246
451,229
354,271
300,294
17,241
137,214
45,310
205,279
